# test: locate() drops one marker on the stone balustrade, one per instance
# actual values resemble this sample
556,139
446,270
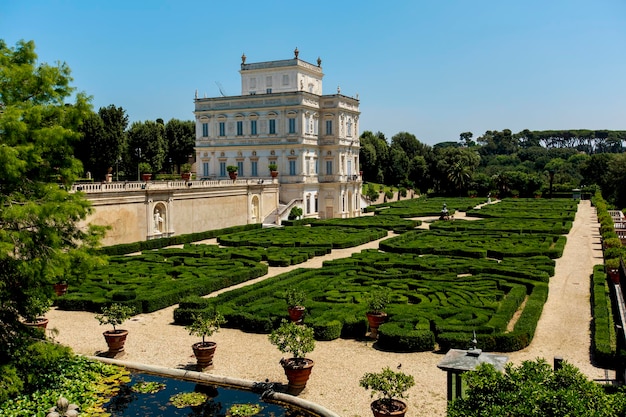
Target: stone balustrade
116,187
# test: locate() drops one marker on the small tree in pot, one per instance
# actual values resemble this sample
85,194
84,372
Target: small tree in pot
295,304
273,169
146,171
377,300
36,306
115,315
612,268
388,386
297,340
185,171
232,171
204,325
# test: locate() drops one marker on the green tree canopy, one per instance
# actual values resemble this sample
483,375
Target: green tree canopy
181,140
40,238
148,136
534,389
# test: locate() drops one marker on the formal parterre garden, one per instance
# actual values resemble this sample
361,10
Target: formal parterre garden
444,283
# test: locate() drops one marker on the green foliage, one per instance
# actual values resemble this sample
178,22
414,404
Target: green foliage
272,167
295,213
293,338
188,399
148,387
43,239
371,192
390,222
144,168
603,327
533,388
294,297
303,236
10,383
232,168
149,136
403,337
377,300
206,323
126,248
158,279
115,315
36,306
54,372
186,167
387,384
244,410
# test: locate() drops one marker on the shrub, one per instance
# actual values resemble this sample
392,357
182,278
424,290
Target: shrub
10,382
387,385
534,388
293,338
402,337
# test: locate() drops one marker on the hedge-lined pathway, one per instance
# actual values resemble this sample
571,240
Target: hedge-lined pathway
563,330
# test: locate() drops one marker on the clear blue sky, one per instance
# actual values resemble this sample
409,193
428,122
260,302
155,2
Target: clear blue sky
432,68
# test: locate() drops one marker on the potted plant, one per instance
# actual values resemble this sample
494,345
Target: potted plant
232,171
60,288
146,171
376,300
273,169
204,325
296,340
36,306
185,171
612,268
388,386
295,304
115,315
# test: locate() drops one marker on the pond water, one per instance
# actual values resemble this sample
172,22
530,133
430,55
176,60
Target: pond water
219,400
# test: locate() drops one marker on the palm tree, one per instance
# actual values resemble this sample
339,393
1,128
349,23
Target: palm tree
459,174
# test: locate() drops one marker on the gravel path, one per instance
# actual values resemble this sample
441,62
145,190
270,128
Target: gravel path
563,330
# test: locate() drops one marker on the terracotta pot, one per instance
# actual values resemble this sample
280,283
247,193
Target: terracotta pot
380,408
296,313
40,323
375,320
232,175
146,177
297,372
186,176
204,352
274,174
115,341
60,289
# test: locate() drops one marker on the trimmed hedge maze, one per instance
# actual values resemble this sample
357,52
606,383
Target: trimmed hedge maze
126,248
304,236
503,224
424,206
475,244
434,300
159,279
390,222
444,286
603,326
528,208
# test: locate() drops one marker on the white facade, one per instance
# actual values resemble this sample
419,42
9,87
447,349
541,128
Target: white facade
282,117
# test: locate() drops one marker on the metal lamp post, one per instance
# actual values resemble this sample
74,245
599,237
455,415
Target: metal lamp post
117,168
138,150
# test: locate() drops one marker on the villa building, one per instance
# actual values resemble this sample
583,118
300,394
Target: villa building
283,118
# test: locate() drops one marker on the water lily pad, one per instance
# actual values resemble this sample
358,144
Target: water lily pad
148,387
188,399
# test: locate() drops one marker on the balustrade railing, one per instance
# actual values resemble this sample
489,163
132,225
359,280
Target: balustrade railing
116,187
